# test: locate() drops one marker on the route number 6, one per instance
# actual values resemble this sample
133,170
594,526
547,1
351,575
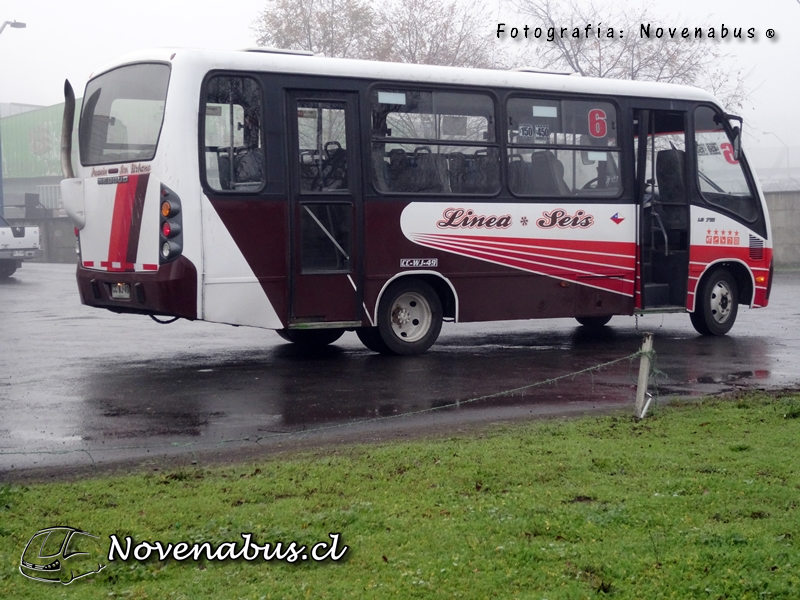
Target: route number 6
597,123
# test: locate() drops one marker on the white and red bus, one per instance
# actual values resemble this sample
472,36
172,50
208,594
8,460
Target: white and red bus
315,196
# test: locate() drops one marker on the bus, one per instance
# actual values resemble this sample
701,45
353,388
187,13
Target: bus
314,196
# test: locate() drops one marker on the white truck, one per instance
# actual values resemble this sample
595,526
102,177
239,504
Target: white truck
17,244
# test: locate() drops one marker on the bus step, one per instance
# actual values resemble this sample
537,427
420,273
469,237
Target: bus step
656,294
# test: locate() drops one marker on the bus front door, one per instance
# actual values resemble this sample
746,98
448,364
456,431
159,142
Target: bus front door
661,174
325,288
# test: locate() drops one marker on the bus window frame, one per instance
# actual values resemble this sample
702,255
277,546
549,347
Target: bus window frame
81,123
498,143
208,189
620,148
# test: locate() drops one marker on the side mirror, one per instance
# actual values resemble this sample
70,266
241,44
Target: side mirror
737,143
736,136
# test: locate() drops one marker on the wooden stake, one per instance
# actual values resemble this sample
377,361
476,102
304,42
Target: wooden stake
644,376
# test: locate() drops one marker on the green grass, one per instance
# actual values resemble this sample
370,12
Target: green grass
697,501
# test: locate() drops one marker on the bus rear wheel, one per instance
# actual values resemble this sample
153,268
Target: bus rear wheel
717,303
409,317
311,338
593,322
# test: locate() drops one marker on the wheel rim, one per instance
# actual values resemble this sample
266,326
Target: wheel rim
721,302
411,317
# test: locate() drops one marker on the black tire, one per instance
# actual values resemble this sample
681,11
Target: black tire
311,338
409,317
7,268
371,338
593,322
716,303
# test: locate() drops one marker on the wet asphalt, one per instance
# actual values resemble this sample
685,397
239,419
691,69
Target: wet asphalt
82,388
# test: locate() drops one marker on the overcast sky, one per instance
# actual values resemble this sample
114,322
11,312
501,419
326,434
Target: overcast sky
68,40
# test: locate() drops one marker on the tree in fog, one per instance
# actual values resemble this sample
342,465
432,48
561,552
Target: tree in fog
437,32
440,32
697,62
341,28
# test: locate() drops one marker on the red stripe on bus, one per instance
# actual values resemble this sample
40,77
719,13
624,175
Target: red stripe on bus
136,217
150,267
121,222
88,263
608,266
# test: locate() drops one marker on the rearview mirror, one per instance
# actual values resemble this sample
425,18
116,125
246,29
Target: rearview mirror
736,136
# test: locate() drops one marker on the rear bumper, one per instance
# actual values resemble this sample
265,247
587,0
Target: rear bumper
170,291
20,254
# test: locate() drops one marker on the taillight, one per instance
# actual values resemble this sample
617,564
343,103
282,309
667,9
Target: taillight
169,229
171,226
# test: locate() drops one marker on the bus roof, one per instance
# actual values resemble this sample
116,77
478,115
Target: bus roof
278,61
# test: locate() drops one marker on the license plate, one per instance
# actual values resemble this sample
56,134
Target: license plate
121,291
19,253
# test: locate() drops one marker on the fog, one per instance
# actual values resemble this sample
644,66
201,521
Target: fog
69,40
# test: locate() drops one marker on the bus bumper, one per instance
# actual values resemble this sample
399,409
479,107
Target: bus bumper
171,291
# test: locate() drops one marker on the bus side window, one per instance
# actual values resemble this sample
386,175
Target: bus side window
234,156
431,142
322,152
562,148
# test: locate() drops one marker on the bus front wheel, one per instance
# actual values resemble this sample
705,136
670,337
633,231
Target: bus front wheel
409,317
717,303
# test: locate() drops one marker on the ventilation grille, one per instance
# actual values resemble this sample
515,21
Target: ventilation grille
756,248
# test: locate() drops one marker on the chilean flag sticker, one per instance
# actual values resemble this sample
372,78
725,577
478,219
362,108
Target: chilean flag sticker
617,219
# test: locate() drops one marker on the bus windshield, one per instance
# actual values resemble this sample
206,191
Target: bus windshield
122,114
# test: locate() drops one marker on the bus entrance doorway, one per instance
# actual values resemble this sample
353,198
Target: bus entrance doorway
325,202
661,174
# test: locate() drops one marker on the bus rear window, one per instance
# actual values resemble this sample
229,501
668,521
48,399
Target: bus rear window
122,114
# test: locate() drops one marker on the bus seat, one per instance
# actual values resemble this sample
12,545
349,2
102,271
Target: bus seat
672,204
380,170
224,166
399,171
546,178
475,174
670,166
248,168
431,171
458,170
519,175
334,169
487,168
